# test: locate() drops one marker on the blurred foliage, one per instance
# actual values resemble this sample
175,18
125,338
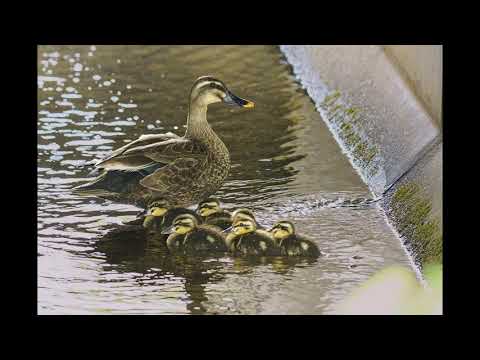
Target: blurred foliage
396,291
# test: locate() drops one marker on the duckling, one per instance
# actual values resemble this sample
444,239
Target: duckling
245,214
212,214
291,244
173,213
180,170
246,239
152,221
189,236
160,217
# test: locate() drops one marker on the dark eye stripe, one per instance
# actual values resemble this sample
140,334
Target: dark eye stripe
214,85
218,86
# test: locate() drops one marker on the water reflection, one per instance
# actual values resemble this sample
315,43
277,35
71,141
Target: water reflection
130,250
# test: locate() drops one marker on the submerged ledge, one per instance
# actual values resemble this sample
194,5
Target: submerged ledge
382,120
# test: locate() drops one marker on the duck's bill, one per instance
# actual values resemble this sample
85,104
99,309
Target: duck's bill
232,99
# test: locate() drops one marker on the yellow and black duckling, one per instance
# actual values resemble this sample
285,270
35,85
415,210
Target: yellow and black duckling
159,217
246,239
245,214
180,170
212,214
291,244
190,236
153,220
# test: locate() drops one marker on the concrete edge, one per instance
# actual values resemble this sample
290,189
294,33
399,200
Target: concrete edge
385,131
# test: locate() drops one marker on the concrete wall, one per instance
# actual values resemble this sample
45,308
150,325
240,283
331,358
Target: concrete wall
422,66
383,105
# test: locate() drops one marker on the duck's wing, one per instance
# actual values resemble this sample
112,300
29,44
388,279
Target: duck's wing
182,159
172,175
129,158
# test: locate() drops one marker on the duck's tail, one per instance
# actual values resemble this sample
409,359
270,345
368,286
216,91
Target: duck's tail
109,183
113,183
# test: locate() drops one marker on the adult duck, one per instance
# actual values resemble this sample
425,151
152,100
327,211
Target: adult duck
178,170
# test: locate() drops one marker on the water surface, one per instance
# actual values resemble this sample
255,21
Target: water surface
285,164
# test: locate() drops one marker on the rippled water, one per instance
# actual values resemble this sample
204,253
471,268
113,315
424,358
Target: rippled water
285,163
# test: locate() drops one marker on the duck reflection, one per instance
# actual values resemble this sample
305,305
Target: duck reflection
129,248
278,264
132,249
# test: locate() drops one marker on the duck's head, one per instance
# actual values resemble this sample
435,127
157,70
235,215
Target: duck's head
243,214
156,209
244,226
208,207
209,90
183,224
282,229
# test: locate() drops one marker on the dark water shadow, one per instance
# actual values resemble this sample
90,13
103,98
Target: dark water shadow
129,249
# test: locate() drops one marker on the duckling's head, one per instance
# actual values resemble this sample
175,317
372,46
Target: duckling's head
245,226
282,229
184,223
208,90
156,209
208,207
243,214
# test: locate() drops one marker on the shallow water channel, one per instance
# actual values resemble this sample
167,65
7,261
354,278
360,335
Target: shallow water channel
285,165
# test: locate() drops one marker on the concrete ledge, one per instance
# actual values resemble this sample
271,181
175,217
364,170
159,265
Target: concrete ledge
385,129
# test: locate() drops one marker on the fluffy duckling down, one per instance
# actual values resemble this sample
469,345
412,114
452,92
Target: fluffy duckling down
291,244
188,235
246,239
213,214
